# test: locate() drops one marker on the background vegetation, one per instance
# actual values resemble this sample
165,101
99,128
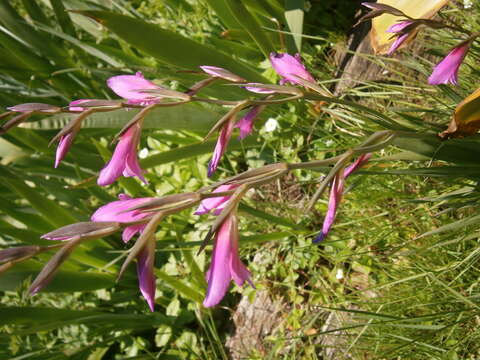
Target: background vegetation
396,279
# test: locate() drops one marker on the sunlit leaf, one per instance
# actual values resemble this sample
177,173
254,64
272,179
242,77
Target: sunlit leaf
466,118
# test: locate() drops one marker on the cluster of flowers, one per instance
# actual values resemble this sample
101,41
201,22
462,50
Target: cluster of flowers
136,215
446,71
141,216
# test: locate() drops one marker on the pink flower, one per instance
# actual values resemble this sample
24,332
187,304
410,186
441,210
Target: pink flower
398,28
288,66
124,160
336,193
221,146
130,87
117,211
446,70
63,146
245,124
215,203
146,277
226,264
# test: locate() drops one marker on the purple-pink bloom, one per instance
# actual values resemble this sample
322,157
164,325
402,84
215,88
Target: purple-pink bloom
336,193
215,203
63,147
124,159
221,146
245,124
131,87
226,264
398,28
446,71
146,277
117,211
289,67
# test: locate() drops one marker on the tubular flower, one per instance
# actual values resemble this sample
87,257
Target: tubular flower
118,211
124,160
446,71
288,67
226,264
402,35
146,277
336,193
245,124
221,146
130,87
63,146
215,203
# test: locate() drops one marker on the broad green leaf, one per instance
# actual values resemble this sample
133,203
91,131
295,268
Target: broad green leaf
223,12
54,213
35,12
169,47
92,50
63,18
64,281
184,117
19,27
251,26
457,151
380,39
294,13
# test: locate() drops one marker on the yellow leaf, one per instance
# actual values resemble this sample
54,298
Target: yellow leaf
417,9
466,119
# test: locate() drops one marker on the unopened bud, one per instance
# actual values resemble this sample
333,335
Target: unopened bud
36,107
84,230
19,252
222,73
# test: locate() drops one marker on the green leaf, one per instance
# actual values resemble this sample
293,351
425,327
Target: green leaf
63,18
64,280
294,13
170,47
251,26
53,213
185,117
457,151
35,12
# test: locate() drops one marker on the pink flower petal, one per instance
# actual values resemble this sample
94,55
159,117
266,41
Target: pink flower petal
446,71
124,159
287,65
146,277
63,147
220,147
215,203
129,86
245,124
